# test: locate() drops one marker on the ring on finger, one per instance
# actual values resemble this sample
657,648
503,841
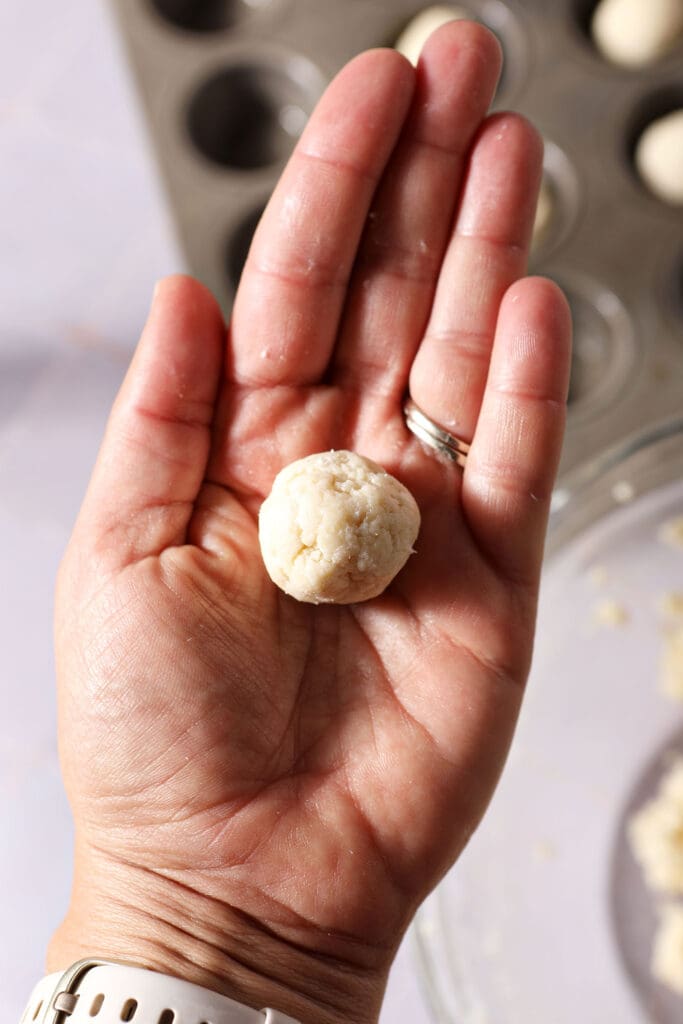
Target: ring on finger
434,436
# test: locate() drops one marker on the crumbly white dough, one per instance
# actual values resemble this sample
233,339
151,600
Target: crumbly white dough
671,532
418,31
656,834
671,664
636,32
610,613
598,575
659,157
336,528
671,604
667,952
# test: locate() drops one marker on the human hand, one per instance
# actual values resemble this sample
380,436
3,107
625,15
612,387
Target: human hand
264,791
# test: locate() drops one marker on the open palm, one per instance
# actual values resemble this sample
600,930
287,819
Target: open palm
302,775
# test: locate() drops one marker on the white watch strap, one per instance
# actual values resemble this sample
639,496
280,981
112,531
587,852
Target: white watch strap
96,992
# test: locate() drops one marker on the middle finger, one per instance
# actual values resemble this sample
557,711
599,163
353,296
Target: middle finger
410,220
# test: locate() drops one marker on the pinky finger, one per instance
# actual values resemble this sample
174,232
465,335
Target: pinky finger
512,465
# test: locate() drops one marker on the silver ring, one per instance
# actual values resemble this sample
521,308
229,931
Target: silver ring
430,433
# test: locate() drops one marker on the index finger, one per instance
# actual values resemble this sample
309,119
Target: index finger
293,287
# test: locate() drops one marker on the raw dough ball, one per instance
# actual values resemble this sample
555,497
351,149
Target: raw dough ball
636,32
418,31
336,528
667,953
659,157
656,834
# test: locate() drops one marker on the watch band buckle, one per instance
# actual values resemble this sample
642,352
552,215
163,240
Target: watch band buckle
62,1003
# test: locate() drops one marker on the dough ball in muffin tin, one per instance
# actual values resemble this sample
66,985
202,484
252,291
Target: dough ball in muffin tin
637,32
659,157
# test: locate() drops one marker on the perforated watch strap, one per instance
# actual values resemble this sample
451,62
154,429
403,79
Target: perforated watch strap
108,993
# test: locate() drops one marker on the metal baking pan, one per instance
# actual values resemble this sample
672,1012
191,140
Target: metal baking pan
227,86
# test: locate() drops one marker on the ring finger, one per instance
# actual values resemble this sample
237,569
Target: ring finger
487,253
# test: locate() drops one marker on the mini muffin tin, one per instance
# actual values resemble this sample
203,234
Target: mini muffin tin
228,86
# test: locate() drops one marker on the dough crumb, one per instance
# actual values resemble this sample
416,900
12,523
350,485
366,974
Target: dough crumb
598,575
623,492
656,834
336,528
610,613
544,851
671,664
671,532
667,952
671,604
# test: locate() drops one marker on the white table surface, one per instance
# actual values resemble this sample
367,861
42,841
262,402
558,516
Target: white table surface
84,235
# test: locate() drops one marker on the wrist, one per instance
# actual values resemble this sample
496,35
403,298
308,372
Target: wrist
132,914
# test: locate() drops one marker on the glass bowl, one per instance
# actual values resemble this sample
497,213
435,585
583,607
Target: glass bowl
545,919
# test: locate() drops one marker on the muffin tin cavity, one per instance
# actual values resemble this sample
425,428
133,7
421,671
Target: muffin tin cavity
582,13
229,85
671,297
508,25
207,15
248,116
604,348
558,203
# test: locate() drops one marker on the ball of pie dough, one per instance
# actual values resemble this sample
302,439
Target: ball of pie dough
418,31
636,32
336,528
659,157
